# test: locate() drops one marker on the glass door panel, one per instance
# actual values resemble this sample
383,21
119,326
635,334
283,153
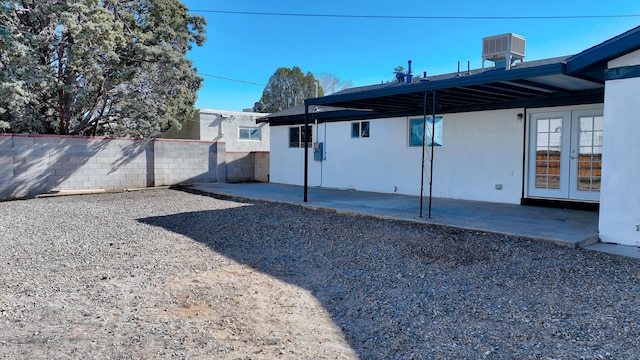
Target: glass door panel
548,151
548,144
565,156
586,155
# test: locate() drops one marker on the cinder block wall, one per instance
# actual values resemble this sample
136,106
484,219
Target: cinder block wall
185,161
6,167
37,164
239,167
261,166
247,166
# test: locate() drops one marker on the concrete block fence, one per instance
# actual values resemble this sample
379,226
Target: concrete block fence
37,164
243,166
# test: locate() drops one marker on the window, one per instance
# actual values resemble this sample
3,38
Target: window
248,133
360,129
297,138
416,127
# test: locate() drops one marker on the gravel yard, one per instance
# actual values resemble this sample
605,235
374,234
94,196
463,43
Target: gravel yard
166,273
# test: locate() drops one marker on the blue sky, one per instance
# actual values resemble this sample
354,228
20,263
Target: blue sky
366,50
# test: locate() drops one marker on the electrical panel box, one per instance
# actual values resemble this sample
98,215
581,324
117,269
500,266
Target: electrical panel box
318,151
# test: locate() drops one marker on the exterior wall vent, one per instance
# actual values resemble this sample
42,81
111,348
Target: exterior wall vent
503,50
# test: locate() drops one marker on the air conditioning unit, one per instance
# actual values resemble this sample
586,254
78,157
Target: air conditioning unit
503,50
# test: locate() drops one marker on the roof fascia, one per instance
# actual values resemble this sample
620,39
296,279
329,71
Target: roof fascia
586,97
468,80
606,51
328,116
595,96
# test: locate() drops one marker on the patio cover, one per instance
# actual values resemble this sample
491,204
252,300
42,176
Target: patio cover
567,80
562,81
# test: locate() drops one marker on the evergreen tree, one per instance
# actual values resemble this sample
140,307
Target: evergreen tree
97,67
289,87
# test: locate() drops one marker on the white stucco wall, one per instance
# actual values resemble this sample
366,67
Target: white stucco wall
629,59
219,125
620,196
479,150
223,126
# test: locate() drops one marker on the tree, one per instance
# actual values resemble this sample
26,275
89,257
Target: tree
398,72
331,83
289,87
89,67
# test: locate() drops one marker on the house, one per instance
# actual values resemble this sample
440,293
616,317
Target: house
555,132
246,144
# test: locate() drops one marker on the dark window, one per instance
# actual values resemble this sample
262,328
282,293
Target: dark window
360,129
294,137
364,129
355,129
297,138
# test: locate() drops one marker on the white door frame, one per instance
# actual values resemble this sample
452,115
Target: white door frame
568,145
556,124
576,135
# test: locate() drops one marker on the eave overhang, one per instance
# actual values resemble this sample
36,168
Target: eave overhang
574,80
591,62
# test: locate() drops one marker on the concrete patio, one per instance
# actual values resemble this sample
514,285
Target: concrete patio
569,228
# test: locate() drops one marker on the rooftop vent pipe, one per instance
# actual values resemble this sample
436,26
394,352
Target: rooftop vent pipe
409,75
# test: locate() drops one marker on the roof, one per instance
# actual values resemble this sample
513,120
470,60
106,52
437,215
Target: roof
295,114
566,80
230,112
590,61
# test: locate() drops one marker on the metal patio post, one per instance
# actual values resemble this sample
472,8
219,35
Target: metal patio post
433,132
306,150
424,139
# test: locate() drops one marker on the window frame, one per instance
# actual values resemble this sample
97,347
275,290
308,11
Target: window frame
300,138
251,130
438,136
358,129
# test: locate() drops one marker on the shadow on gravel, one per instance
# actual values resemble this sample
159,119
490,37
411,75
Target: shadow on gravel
401,290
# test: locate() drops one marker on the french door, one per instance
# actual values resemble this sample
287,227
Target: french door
565,155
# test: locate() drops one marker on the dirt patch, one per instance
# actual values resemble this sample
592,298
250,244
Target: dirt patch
254,312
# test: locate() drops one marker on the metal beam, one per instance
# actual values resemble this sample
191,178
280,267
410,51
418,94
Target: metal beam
306,150
479,96
424,137
515,89
433,133
608,50
495,92
486,77
620,73
533,85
